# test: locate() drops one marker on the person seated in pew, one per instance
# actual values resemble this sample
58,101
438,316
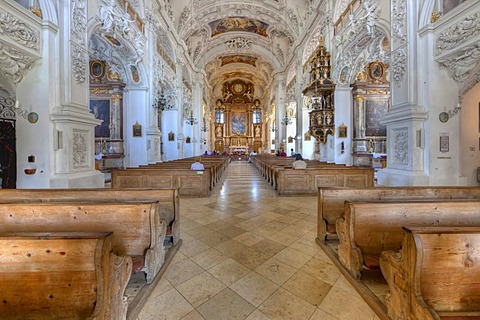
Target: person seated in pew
197,165
283,153
299,163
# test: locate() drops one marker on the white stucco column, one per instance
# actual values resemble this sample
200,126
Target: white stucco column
136,109
405,119
281,136
72,127
343,115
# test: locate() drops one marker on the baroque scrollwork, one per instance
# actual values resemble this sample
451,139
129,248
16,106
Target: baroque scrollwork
19,31
399,14
400,146
79,149
79,62
79,21
399,67
464,67
14,64
239,44
458,33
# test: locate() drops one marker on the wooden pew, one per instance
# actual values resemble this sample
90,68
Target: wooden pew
62,276
168,201
137,228
368,228
436,274
308,181
188,182
331,200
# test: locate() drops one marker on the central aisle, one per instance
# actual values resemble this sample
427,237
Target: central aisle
249,254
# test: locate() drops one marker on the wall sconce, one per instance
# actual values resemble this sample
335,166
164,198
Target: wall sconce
274,127
342,147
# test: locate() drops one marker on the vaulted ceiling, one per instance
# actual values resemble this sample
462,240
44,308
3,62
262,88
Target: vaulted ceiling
231,39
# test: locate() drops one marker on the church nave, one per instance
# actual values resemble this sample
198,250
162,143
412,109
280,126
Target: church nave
249,254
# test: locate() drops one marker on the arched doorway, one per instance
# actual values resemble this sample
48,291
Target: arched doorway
8,168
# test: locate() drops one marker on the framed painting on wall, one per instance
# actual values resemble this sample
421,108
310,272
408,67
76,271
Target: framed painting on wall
375,110
101,111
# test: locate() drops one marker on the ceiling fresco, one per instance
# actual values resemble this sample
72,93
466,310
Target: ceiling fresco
238,24
238,59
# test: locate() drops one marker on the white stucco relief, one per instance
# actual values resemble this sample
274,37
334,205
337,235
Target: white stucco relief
458,33
80,158
19,31
400,146
399,66
399,16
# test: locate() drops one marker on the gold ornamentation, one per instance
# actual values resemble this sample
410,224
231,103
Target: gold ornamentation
435,16
361,76
115,97
99,91
36,11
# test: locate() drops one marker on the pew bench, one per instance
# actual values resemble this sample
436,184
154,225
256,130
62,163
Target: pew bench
137,229
436,274
62,276
331,200
368,228
188,182
291,181
168,201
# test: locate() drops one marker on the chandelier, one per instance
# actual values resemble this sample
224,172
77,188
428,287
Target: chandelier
286,120
274,127
191,120
204,127
160,102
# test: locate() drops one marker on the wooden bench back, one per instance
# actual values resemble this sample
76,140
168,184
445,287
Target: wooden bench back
436,274
308,181
331,200
449,272
61,276
133,225
188,182
169,205
377,226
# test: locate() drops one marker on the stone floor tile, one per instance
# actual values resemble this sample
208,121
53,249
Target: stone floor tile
276,271
168,306
229,271
201,288
182,271
226,305
307,287
283,305
254,288
209,258
292,257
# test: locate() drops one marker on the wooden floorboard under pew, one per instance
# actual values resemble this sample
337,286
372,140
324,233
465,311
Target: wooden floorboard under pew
331,200
436,274
188,182
62,276
168,201
368,228
293,182
137,229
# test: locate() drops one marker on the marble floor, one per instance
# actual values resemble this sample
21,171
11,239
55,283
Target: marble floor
249,254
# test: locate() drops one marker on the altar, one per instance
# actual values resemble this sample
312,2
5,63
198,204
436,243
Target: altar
238,149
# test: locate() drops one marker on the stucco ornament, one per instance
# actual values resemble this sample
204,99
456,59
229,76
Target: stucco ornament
400,146
399,67
80,62
19,31
14,64
79,21
79,149
458,33
399,16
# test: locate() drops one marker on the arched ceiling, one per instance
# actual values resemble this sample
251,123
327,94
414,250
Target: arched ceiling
231,39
